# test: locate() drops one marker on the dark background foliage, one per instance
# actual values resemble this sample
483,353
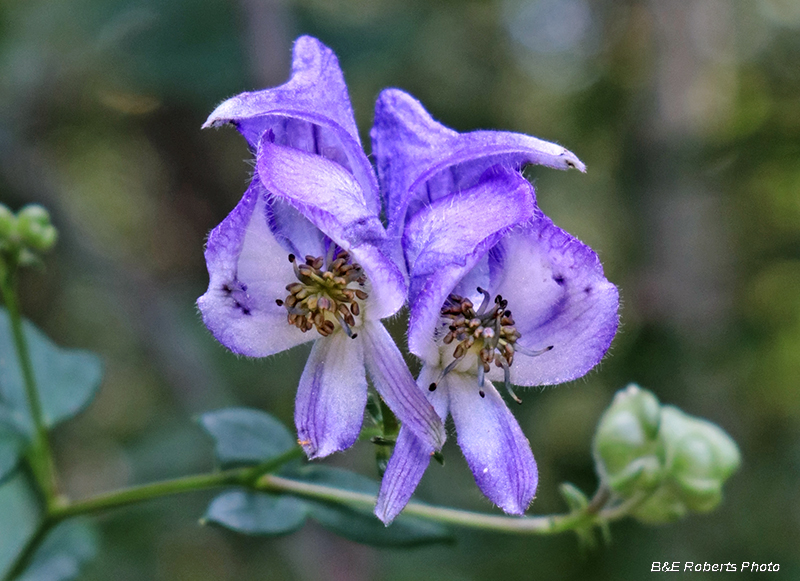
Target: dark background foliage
687,114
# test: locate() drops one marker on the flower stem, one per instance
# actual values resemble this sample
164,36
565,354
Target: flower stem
538,525
234,477
40,455
62,509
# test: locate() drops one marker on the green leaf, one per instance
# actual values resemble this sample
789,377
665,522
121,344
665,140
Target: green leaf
360,524
246,436
62,554
257,513
12,445
67,379
20,518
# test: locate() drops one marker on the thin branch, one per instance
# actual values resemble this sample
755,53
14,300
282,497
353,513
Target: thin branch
40,453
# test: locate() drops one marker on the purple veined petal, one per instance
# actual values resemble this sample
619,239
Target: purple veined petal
397,387
333,201
447,239
311,112
248,272
408,463
558,296
497,451
446,229
387,286
411,457
321,190
331,396
293,230
419,160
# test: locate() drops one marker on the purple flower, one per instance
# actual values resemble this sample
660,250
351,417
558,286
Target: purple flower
302,258
498,293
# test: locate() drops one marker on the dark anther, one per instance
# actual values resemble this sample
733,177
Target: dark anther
481,393
227,288
354,335
432,387
321,296
488,332
245,311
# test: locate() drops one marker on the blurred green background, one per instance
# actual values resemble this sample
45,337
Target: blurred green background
687,114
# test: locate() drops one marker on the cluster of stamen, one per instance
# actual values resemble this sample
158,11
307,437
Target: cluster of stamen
489,332
491,327
322,295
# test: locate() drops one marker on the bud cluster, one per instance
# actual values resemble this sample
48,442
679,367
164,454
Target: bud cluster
680,461
26,234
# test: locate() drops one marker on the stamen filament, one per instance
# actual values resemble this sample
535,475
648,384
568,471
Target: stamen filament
449,368
346,327
487,298
507,380
530,353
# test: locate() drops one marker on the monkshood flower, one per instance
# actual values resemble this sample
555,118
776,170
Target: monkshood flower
498,293
301,258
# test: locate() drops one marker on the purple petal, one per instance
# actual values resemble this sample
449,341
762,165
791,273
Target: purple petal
408,463
497,451
420,160
333,201
322,190
445,240
331,396
311,112
397,387
387,287
558,296
410,457
293,231
248,272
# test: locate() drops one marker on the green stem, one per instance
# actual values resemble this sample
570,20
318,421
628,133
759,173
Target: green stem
62,510
260,478
24,557
135,494
40,455
540,525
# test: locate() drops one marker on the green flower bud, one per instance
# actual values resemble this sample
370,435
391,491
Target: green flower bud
35,229
699,458
627,450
